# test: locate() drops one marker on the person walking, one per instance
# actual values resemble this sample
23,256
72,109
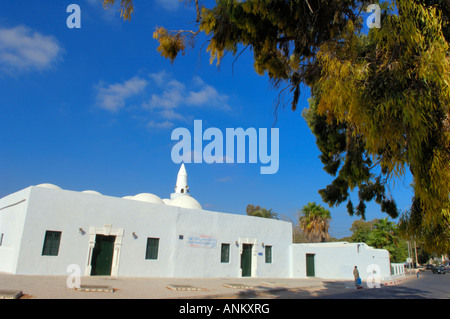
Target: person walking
356,275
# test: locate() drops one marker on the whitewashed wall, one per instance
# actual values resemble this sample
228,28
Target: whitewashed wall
12,217
337,260
397,270
68,211
25,216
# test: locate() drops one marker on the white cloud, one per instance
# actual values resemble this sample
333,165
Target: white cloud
170,98
208,96
112,97
175,93
160,125
171,115
159,78
22,49
111,14
169,4
168,101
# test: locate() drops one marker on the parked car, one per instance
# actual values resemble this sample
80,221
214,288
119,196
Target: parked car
438,270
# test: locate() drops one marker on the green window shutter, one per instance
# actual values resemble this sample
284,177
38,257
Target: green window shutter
152,248
51,243
225,253
268,254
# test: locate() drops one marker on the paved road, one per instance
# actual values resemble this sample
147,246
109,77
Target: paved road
427,286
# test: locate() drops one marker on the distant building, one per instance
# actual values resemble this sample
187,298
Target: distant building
44,229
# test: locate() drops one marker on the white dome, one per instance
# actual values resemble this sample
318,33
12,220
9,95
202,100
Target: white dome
47,185
128,197
147,197
185,202
91,192
166,201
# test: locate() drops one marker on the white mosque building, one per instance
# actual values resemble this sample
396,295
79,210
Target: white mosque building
44,229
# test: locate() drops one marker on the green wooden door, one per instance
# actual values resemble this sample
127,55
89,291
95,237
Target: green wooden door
102,255
246,260
310,271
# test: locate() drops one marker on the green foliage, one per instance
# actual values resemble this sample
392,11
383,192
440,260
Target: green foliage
258,211
385,97
315,222
283,35
383,234
344,154
169,44
361,230
434,236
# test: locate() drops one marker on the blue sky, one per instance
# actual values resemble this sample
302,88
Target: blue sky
94,108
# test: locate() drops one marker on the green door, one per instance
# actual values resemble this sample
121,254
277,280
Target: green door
102,255
246,260
310,272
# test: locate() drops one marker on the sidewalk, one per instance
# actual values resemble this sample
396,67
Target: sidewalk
55,287
98,287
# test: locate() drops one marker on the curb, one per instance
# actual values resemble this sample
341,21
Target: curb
397,281
10,294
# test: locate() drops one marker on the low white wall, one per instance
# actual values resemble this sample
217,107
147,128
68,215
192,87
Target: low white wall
337,260
397,270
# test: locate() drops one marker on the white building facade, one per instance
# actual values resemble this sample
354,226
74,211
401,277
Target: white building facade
44,229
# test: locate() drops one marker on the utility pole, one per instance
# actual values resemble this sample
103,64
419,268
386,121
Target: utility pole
409,257
415,248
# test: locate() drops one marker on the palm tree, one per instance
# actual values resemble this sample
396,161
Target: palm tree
315,221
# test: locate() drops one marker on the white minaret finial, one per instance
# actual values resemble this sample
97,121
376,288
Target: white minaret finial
181,187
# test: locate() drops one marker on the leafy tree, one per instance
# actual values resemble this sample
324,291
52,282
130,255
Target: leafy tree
434,235
423,256
385,235
380,101
315,222
361,230
260,212
382,106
